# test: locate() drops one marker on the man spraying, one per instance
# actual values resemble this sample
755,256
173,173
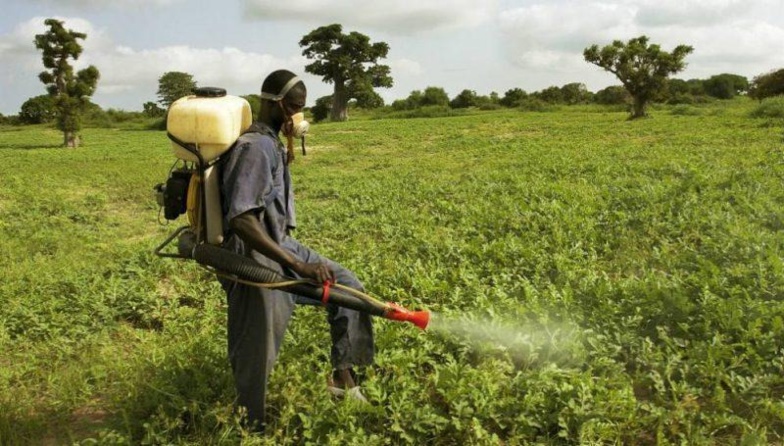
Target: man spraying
258,210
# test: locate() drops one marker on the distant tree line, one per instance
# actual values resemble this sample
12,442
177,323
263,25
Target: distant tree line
675,91
40,109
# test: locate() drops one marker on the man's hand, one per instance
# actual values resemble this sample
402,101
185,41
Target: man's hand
319,272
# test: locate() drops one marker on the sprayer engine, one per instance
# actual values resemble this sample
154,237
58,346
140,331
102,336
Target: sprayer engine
172,196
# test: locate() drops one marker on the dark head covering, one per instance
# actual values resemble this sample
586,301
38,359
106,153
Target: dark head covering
279,83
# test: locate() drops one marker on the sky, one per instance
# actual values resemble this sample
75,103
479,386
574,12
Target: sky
480,45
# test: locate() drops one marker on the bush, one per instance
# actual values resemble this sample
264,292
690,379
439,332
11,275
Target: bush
680,98
490,106
158,124
321,110
432,111
770,108
94,116
685,110
725,86
688,99
575,93
38,110
612,95
434,96
513,97
152,110
536,105
465,99
612,108
767,85
399,104
10,120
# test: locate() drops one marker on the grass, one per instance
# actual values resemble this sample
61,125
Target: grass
635,265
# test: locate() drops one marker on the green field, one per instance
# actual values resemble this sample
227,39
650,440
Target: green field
607,282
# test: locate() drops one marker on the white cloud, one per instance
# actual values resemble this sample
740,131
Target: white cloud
537,33
405,67
724,33
22,61
20,40
689,13
124,67
752,46
105,4
393,16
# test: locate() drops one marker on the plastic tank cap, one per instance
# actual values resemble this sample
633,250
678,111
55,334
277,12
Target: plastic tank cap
210,92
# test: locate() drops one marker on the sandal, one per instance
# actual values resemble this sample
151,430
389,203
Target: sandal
347,389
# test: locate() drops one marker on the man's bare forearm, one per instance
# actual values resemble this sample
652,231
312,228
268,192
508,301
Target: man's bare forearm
249,229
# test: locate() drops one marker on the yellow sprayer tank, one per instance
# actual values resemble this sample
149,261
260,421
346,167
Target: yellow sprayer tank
212,123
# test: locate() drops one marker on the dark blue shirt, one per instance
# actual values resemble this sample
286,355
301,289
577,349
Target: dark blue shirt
255,177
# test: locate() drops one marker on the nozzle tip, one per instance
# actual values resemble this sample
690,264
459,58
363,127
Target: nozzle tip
397,313
420,318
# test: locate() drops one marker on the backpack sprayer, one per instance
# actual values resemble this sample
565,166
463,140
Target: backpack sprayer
202,127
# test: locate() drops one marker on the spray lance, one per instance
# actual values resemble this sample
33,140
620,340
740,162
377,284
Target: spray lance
202,127
245,270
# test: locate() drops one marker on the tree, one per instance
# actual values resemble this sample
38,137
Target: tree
767,85
612,95
349,61
679,91
434,96
321,110
368,99
37,110
513,97
642,68
151,110
725,86
399,104
696,87
494,98
70,92
414,100
552,95
464,99
676,87
575,93
173,85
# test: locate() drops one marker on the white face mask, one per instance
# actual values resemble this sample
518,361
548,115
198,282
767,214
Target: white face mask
299,126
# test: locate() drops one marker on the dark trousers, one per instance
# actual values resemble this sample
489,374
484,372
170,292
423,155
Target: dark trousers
257,321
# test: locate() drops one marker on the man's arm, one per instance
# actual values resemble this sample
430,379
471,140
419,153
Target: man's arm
248,228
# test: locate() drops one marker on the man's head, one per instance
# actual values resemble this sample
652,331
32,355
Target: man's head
283,96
